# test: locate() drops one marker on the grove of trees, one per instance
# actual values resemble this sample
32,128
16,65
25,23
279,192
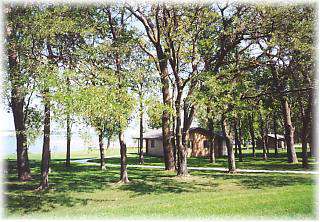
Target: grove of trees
243,69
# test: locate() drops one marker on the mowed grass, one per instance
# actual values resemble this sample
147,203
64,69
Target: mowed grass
78,154
273,162
84,191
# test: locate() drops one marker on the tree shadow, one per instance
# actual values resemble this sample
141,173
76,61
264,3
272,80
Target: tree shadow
262,180
81,178
157,182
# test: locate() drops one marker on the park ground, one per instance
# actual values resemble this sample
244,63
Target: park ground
84,191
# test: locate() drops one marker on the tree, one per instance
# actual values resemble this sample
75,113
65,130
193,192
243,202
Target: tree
18,78
143,83
288,31
150,19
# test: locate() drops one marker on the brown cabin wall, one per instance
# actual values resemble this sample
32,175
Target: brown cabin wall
197,148
271,143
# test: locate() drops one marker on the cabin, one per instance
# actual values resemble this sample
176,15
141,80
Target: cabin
197,143
272,141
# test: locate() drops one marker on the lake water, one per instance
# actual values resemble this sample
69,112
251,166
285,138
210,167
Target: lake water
58,143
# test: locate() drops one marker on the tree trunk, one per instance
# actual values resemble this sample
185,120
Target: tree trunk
263,138
68,141
141,159
154,38
239,141
101,147
123,152
188,114
266,136
109,140
123,147
17,106
309,115
173,141
304,130
167,146
231,159
212,158
182,151
275,130
289,131
45,163
252,136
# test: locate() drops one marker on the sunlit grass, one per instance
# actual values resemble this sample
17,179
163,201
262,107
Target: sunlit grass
84,191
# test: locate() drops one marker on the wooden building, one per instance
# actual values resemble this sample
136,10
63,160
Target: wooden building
197,143
272,141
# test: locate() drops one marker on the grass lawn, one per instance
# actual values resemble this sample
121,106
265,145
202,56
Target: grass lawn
84,191
273,163
78,154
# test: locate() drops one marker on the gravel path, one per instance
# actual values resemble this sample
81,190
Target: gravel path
85,161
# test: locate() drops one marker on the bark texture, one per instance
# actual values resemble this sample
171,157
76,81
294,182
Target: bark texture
101,148
123,155
263,137
231,159
68,141
289,131
17,106
45,162
252,135
275,130
141,159
212,158
182,151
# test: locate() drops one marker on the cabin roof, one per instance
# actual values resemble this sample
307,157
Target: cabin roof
280,137
157,133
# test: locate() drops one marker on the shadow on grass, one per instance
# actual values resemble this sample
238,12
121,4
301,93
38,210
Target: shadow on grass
66,184
273,162
261,180
133,159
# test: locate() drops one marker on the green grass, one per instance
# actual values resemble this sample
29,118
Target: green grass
272,163
84,191
89,153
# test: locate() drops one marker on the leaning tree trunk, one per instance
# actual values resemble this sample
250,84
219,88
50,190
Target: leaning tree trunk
231,159
141,159
263,138
101,147
123,156
289,131
17,106
252,136
68,141
182,151
275,130
45,162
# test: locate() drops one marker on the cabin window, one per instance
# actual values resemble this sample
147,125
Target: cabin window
152,143
206,144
